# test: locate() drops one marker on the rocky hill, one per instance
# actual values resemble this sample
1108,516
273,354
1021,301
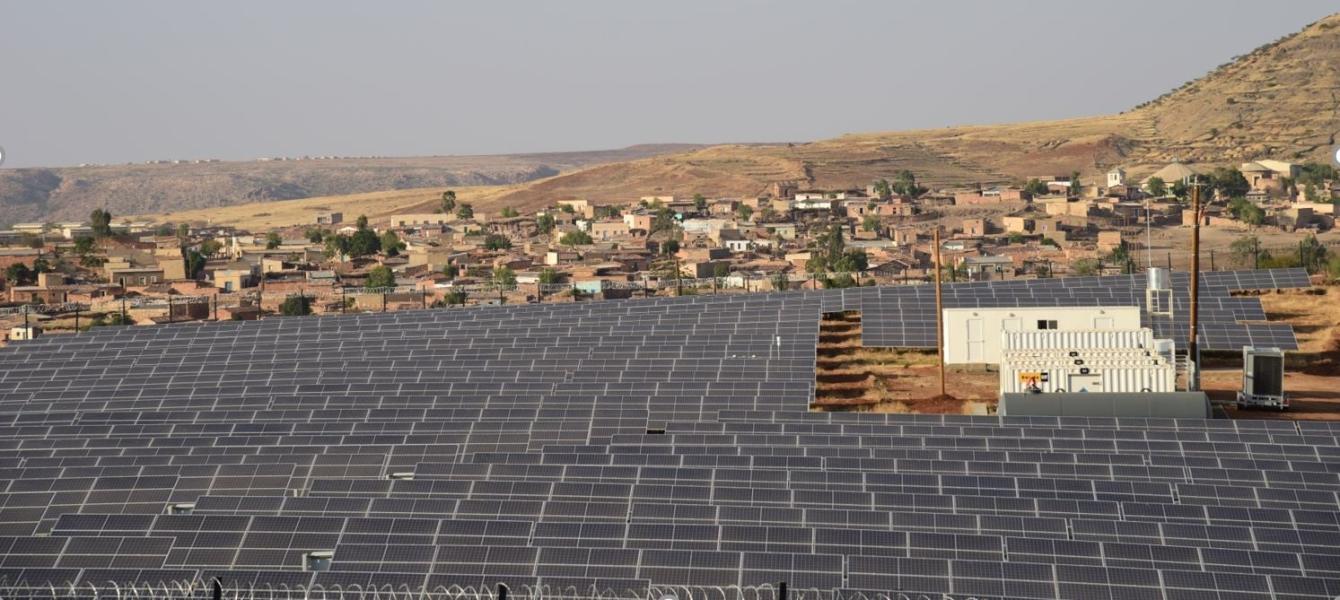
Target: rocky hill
51,194
1281,100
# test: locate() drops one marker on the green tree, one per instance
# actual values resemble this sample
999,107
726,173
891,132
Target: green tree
503,279
272,241
575,238
19,274
1035,187
882,189
364,242
744,212
1016,238
781,282
1157,187
451,270
1229,182
362,222
1311,254
670,247
607,212
1333,268
210,247
495,241
699,202
195,264
296,306
720,270
183,231
1244,210
1084,267
842,280
1076,186
101,222
465,211
548,276
85,245
337,245
1180,190
448,201
380,276
567,208
1246,251
456,296
315,235
508,212
905,184
870,223
544,223
663,222
390,243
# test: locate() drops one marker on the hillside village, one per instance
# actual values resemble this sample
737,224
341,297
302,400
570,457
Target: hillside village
109,271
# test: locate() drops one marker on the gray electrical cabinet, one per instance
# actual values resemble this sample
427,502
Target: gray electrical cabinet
1263,379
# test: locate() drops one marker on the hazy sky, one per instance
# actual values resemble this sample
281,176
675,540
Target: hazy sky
121,81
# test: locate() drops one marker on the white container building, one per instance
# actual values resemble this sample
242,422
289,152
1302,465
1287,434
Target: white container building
1122,361
975,335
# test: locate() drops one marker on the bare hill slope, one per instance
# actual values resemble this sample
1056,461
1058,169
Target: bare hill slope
1281,100
49,194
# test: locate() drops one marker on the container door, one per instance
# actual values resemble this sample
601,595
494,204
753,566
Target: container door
976,341
1103,323
1086,383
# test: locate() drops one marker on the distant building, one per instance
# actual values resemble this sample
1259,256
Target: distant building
329,218
1116,177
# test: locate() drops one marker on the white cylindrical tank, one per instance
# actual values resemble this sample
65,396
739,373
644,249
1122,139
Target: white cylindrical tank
1160,278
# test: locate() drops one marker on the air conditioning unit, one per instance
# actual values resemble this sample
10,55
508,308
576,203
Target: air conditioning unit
1263,379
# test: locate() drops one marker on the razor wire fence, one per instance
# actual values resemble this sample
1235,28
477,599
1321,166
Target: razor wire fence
198,589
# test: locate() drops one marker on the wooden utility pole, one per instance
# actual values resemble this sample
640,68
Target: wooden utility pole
1193,353
939,316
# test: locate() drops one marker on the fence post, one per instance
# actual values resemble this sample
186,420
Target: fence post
383,300
76,318
169,309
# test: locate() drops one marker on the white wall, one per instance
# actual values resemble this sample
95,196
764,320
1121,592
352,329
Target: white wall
973,335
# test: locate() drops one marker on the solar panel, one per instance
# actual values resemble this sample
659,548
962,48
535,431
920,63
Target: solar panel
664,441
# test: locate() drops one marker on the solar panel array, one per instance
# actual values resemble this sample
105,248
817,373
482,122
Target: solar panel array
623,444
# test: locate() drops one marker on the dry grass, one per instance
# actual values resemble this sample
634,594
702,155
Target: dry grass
376,206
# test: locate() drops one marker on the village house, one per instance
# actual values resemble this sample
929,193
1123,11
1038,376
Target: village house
974,227
605,230
420,220
1268,177
1017,224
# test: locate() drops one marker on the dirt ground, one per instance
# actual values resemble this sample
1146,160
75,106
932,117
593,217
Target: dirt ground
1312,374
851,377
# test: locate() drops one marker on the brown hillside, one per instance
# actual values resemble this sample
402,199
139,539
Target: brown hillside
1281,100
71,193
